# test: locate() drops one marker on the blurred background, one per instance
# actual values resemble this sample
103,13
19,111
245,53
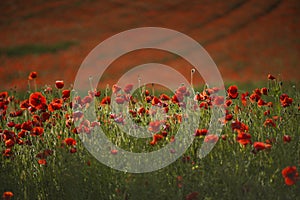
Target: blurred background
246,39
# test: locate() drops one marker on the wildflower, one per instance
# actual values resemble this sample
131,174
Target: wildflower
59,84
271,77
156,137
105,100
239,126
164,97
200,132
9,143
32,75
290,175
264,91
42,161
218,100
114,151
285,100
261,146
211,138
37,100
261,102
73,150
192,196
37,131
66,94
269,122
70,141
56,104
154,126
128,88
120,99
115,89
233,92
287,138
7,195
243,138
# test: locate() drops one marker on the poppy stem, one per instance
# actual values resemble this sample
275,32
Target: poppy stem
152,89
35,86
192,76
29,86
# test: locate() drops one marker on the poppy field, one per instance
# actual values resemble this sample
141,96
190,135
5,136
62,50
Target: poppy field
256,156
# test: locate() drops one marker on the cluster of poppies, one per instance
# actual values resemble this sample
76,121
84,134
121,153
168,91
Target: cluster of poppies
41,114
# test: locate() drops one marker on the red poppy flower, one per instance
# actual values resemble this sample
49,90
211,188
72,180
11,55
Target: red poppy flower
127,89
3,95
37,100
32,75
24,104
285,100
155,101
66,94
200,132
37,131
7,195
73,150
243,138
115,89
211,138
154,126
9,143
261,102
105,100
59,84
264,91
42,161
114,151
290,175
70,141
261,146
26,126
192,196
269,122
239,126
233,92
164,97
271,77
120,100
203,105
287,138
156,137
218,100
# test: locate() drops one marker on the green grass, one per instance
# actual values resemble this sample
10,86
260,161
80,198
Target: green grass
22,50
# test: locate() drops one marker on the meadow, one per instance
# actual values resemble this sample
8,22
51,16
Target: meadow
256,156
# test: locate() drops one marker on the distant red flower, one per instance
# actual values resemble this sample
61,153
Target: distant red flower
105,100
120,99
243,138
70,141
287,138
32,75
26,126
233,92
56,104
218,100
59,84
24,104
114,151
3,95
115,89
73,150
37,100
128,88
66,94
42,161
156,137
261,102
285,100
290,175
155,101
9,143
36,131
211,138
154,126
271,77
192,196
164,97
269,122
261,146
7,195
200,132
264,91
239,126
